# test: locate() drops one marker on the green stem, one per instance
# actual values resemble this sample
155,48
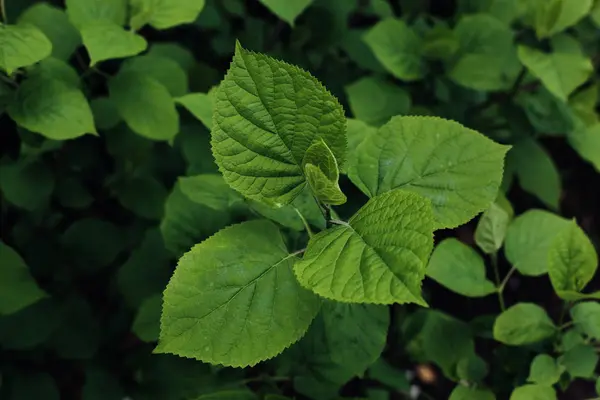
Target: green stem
517,84
566,325
563,312
499,287
506,278
9,81
305,222
263,378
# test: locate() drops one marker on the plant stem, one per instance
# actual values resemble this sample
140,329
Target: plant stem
566,325
327,215
9,81
506,278
306,225
499,287
3,12
265,378
517,84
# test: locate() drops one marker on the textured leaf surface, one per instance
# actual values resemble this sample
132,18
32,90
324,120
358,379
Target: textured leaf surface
145,105
233,299
398,48
536,171
561,73
379,257
491,228
458,267
533,392
544,370
287,10
21,46
54,23
52,108
164,14
106,40
458,169
586,317
529,238
523,323
267,114
18,289
322,174
572,260
391,100
83,12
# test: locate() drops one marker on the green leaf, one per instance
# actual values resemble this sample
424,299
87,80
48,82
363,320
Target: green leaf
93,243
200,105
533,392
457,168
287,10
27,184
378,257
145,105
544,370
18,289
52,108
22,45
322,173
491,228
529,238
586,317
230,299
78,335
146,324
523,323
459,268
548,114
175,52
101,384
165,71
384,373
267,114
54,23
54,69
85,12
391,100
472,368
572,259
143,195
398,48
164,14
536,172
555,16
586,142
580,361
465,393
106,40
186,222
209,190
29,327
485,55
34,385
72,194
561,73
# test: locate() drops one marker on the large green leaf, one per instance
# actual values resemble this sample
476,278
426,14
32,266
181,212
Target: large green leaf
52,108
536,171
287,10
561,73
209,190
391,100
586,141
200,105
458,267
164,14
529,238
267,114
554,16
22,45
580,361
523,323
398,48
231,297
84,12
18,289
572,260
586,317
378,257
458,169
544,370
533,392
145,105
106,40
55,24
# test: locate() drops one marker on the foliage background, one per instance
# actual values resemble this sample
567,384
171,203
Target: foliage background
99,221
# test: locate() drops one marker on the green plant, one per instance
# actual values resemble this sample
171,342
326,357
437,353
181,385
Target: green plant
354,242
